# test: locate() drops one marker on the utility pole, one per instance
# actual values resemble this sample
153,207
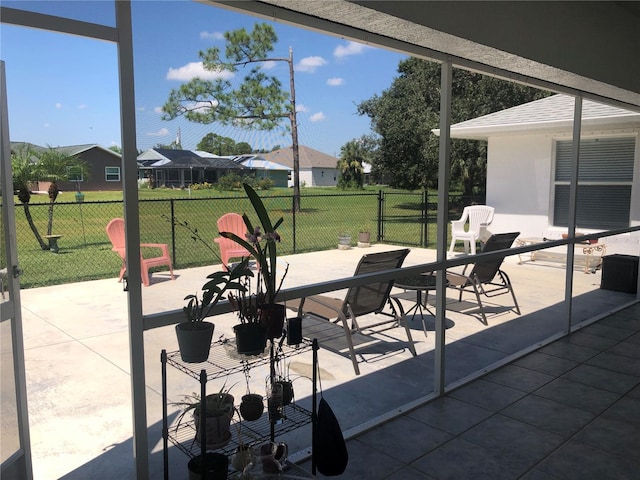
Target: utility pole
294,137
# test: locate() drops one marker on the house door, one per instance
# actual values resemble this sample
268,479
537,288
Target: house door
15,448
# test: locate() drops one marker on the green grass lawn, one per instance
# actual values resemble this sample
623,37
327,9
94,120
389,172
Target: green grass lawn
85,251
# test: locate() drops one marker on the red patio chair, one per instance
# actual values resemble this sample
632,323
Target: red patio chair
234,223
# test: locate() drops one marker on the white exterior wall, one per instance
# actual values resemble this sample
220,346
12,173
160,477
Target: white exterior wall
520,188
325,177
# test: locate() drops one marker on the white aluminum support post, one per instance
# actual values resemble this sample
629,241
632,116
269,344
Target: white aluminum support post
132,228
573,202
444,162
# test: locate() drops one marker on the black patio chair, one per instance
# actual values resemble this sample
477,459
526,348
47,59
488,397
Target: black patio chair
482,278
361,300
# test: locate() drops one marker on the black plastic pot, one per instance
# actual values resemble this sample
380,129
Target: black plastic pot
217,467
194,341
251,338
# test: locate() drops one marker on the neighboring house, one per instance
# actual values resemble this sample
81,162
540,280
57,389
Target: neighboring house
529,168
317,169
279,174
178,168
104,167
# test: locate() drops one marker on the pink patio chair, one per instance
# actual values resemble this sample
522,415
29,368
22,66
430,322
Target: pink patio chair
234,223
115,232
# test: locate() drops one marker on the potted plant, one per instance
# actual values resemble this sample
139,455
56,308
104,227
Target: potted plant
364,235
344,241
252,404
261,242
195,334
219,411
251,334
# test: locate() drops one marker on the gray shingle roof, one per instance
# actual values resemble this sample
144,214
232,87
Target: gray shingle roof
308,157
551,112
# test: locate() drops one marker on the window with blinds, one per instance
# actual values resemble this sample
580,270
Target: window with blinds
605,176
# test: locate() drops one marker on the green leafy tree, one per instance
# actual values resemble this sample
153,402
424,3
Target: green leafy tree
56,166
25,169
259,101
223,146
404,115
349,165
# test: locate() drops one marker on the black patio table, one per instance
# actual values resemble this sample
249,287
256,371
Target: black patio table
419,283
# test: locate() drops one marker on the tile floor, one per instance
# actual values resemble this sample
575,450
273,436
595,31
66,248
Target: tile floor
569,410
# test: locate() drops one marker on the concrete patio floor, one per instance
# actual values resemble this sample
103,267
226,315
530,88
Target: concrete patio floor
78,378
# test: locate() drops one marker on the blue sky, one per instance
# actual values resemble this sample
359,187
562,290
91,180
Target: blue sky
63,90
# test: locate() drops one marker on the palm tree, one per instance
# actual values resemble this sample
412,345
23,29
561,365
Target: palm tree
26,168
56,166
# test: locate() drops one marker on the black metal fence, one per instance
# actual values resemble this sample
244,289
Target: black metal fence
401,218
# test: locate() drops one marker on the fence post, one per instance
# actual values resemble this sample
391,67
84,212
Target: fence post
380,219
293,220
423,220
173,234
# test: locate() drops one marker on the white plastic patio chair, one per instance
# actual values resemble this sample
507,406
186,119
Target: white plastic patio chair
476,216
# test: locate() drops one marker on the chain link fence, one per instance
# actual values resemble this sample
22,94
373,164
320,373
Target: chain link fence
401,218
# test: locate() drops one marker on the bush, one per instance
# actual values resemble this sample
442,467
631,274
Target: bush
202,186
233,181
265,184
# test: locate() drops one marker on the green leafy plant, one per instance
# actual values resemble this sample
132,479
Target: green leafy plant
216,404
261,242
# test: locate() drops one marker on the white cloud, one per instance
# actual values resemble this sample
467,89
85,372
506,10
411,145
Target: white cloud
82,106
351,48
301,108
317,117
195,69
158,110
141,109
47,125
310,64
335,82
58,105
270,65
211,36
160,133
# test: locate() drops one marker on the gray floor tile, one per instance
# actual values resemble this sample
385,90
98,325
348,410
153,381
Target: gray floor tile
635,393
619,437
626,409
487,395
607,331
538,475
629,319
549,415
544,363
571,351
591,340
519,378
459,459
635,338
405,438
627,349
578,395
616,363
513,438
450,415
577,461
602,378
410,473
363,463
